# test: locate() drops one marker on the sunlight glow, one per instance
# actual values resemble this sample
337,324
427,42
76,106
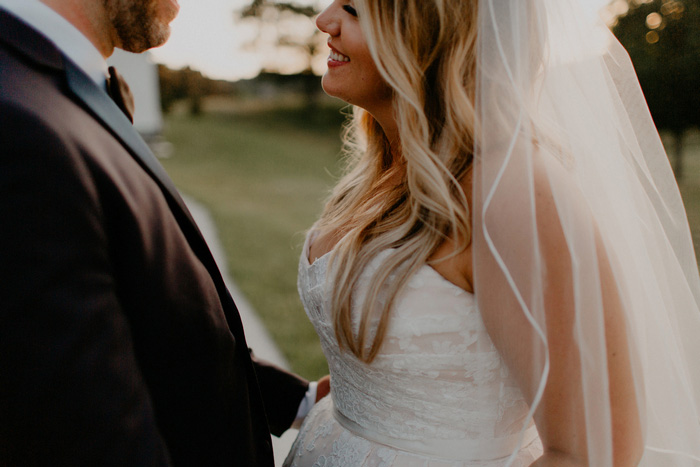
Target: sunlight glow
207,37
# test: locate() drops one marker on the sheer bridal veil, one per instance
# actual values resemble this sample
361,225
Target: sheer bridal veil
576,210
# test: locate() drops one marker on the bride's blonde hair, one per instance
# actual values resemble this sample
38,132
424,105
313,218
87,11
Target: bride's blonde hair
412,201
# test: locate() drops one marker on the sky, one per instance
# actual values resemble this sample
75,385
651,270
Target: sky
207,37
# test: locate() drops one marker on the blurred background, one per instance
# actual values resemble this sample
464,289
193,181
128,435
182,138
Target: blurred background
234,107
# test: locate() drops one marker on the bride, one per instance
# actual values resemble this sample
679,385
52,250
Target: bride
504,276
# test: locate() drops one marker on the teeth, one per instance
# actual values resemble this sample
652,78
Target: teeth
338,57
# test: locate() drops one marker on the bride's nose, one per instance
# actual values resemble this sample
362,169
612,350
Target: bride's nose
327,21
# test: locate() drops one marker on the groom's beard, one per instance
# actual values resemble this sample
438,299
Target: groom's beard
139,24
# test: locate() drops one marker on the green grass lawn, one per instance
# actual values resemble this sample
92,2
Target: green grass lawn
264,174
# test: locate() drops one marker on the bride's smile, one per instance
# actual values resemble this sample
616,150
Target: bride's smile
335,58
352,74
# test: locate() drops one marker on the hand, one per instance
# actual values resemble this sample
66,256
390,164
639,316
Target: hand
323,387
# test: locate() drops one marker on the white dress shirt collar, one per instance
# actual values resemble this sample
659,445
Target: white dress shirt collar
63,34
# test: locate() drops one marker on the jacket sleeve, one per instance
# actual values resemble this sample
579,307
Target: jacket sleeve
282,393
71,392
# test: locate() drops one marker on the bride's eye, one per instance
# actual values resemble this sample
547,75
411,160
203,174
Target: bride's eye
350,10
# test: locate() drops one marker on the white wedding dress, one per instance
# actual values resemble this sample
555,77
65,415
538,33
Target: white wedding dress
438,394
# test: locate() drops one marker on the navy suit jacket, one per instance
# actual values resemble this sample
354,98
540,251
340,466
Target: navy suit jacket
119,343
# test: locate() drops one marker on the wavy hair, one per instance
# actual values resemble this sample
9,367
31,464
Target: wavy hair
409,201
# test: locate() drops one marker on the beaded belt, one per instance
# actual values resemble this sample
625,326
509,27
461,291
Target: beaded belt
449,449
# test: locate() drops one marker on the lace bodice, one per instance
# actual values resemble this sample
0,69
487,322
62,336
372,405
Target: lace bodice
438,387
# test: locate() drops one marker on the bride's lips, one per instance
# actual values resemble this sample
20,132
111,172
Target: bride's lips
336,58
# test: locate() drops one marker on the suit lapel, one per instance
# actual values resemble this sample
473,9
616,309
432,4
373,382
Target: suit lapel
114,119
34,46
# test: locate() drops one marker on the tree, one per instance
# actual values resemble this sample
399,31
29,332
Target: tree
288,28
663,40
189,85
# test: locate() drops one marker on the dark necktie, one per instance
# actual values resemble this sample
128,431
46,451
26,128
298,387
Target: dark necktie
120,93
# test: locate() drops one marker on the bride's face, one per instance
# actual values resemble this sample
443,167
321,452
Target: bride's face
352,74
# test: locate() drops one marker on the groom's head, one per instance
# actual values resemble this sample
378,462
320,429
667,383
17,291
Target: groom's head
132,25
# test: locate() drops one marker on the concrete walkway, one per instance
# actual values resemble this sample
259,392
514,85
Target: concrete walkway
256,335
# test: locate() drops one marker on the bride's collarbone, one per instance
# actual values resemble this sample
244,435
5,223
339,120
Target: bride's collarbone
454,268
321,245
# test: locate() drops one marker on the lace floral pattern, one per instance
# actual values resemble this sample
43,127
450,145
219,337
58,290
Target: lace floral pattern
437,381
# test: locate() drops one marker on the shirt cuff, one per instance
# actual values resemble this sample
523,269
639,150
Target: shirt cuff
306,405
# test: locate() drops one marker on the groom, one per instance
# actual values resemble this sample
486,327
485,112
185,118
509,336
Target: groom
119,343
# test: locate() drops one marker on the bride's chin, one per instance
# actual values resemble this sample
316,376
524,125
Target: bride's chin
329,89
326,88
